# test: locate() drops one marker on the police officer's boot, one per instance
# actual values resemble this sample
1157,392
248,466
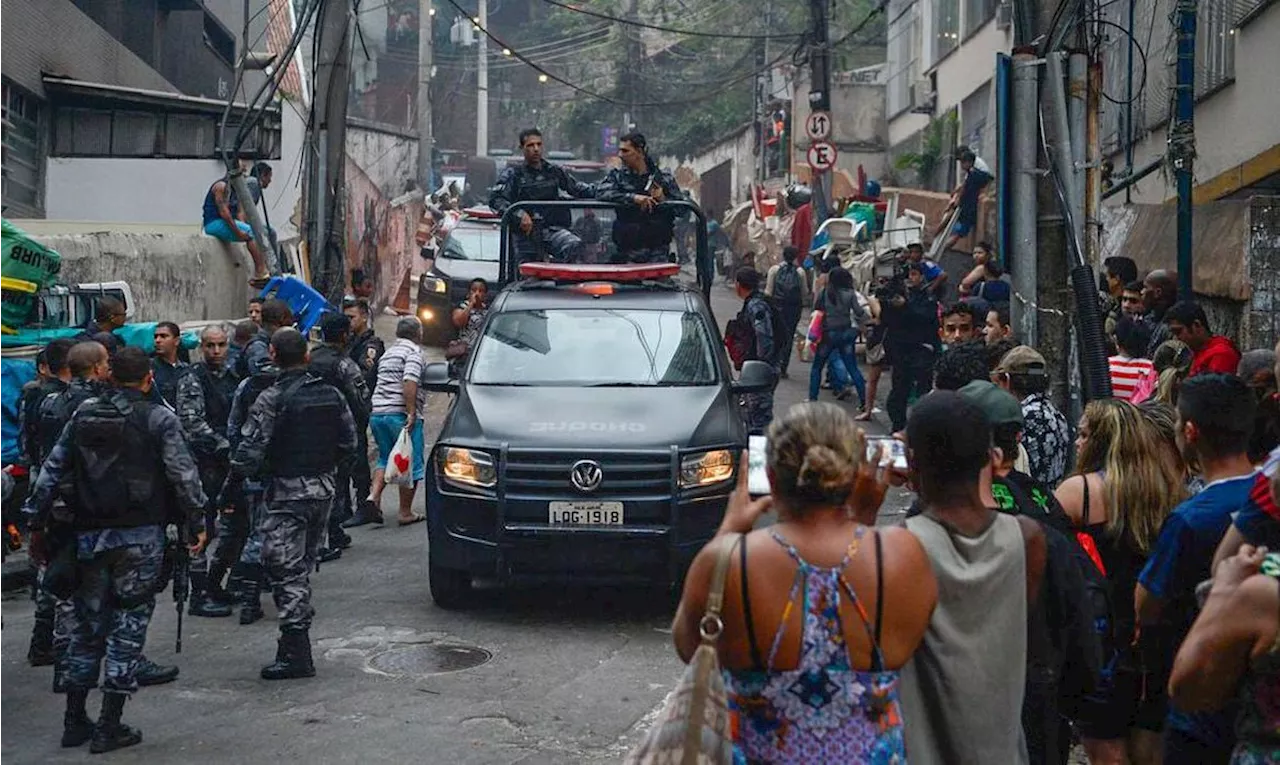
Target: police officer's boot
150,673
40,653
251,594
77,728
217,573
235,581
293,657
202,604
111,734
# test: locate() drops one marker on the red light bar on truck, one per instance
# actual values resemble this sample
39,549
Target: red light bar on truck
591,272
482,212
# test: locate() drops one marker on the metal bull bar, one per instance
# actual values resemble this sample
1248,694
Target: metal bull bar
704,259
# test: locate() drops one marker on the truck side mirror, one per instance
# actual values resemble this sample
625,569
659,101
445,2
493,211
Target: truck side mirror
436,378
756,377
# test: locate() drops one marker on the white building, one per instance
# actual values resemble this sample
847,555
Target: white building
941,67
1237,112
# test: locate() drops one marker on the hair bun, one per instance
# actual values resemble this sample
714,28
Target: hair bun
823,471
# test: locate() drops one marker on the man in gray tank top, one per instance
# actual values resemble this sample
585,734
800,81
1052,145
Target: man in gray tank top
962,690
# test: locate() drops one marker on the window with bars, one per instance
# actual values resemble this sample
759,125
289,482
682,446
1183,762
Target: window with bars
22,166
903,59
90,132
946,27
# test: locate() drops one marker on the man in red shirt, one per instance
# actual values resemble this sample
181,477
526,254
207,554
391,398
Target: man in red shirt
1213,353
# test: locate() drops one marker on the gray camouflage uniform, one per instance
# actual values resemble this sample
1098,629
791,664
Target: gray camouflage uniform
118,568
297,509
210,447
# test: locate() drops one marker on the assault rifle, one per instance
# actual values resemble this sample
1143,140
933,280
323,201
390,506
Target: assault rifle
181,577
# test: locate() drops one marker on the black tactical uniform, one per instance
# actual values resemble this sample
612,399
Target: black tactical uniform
641,237
330,364
551,227
299,431
366,351
117,464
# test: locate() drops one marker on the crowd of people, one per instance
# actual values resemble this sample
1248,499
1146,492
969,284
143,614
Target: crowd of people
1108,581
257,455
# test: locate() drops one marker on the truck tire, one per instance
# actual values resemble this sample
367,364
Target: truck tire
450,588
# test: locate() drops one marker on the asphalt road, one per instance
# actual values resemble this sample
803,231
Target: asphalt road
567,676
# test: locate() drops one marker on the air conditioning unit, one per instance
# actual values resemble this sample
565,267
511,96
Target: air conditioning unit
1004,16
923,97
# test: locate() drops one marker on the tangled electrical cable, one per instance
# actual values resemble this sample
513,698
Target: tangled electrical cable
659,28
1142,54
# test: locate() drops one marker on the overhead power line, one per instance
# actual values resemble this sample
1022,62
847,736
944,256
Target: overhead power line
660,28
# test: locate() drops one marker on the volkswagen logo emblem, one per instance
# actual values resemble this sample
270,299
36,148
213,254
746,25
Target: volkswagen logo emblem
586,475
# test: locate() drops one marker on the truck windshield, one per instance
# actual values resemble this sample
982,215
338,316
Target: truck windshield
478,243
595,347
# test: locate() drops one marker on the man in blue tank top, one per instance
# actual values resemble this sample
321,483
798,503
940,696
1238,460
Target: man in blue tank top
222,219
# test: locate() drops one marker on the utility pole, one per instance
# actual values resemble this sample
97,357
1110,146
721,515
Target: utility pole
1182,137
631,37
333,73
820,96
761,93
426,62
482,81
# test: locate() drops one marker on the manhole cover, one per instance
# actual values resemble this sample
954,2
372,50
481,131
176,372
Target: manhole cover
429,659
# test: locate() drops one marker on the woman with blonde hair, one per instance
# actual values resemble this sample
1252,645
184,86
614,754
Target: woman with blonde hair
1119,497
1171,363
805,599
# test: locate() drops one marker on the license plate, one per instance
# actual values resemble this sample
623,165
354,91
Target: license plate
585,514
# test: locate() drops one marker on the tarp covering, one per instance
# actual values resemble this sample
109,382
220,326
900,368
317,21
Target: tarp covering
27,267
138,335
14,373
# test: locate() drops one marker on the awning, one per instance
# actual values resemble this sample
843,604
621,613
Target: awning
118,95
1148,234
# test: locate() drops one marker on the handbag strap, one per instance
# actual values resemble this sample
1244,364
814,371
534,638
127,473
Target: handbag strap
711,626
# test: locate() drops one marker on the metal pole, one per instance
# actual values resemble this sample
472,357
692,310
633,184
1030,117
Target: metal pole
1182,138
1128,106
482,82
1022,254
426,19
333,72
1060,150
820,98
1077,112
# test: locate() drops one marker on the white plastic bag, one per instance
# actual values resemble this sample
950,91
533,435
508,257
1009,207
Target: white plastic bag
400,462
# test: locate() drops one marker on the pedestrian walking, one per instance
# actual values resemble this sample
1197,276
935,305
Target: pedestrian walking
755,330
811,646
123,467
788,286
843,319
298,432
204,398
399,402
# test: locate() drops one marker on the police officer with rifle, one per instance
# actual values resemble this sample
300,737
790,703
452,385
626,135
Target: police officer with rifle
330,363
298,432
123,469
204,398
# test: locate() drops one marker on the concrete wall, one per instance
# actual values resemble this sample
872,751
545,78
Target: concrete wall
165,191
859,128
736,149
175,275
56,37
1234,124
389,158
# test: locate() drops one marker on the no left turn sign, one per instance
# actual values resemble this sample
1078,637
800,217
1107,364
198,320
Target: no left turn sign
821,156
818,126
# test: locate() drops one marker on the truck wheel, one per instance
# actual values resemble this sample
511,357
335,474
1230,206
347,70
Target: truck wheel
450,588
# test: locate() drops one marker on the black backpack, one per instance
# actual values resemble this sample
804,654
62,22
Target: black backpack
786,287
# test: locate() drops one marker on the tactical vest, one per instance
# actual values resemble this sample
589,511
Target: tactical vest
325,361
56,412
33,399
119,477
257,384
242,361
307,427
218,392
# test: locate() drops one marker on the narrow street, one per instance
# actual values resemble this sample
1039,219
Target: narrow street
564,676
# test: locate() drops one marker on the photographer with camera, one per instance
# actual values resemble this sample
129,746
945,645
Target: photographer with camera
910,316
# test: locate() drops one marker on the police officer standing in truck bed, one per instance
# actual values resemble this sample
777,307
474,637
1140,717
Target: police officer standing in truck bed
298,432
119,464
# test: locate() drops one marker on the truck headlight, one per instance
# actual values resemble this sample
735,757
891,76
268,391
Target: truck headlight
435,284
706,468
467,467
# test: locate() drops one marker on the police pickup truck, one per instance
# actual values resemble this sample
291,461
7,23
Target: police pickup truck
594,433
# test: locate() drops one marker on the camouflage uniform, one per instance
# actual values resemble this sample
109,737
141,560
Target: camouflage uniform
641,237
366,351
54,615
118,567
758,407
297,506
41,652
329,362
551,230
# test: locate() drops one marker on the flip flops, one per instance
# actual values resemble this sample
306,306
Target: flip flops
411,521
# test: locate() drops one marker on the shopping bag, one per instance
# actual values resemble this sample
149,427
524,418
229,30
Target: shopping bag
400,461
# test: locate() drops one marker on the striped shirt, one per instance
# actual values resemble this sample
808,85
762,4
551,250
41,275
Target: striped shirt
1126,373
402,362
